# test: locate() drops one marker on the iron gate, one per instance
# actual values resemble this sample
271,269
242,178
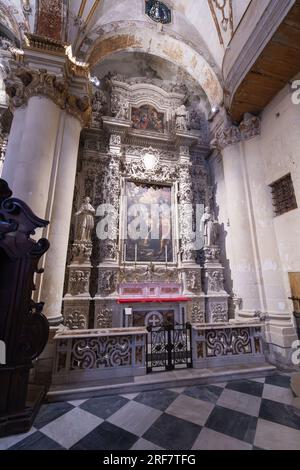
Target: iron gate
169,346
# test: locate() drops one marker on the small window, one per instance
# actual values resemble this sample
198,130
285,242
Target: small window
283,195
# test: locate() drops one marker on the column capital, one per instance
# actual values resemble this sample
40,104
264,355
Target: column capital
46,68
229,134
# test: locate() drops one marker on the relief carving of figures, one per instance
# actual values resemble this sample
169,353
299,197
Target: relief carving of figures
160,174
79,282
81,251
161,154
215,281
148,273
218,312
208,228
211,253
181,118
107,282
86,221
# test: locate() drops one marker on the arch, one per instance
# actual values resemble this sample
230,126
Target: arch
164,46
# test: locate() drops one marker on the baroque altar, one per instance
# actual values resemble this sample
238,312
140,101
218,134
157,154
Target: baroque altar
141,150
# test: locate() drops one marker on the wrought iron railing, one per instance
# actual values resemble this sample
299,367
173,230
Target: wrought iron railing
169,347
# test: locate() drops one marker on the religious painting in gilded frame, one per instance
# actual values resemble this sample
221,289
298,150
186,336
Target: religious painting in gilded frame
149,234
147,118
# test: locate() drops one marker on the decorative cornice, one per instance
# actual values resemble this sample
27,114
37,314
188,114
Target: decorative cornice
53,46
228,134
34,41
25,83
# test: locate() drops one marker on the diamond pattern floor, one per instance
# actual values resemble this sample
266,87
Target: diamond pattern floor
238,415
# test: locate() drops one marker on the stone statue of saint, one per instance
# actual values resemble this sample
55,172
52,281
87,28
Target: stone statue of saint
86,222
181,118
208,227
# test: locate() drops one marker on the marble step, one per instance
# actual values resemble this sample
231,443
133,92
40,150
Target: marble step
159,380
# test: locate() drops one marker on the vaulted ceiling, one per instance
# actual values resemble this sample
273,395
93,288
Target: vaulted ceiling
200,41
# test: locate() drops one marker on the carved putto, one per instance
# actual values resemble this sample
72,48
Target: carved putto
86,222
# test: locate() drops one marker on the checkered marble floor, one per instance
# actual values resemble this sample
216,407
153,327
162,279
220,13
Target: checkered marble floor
238,415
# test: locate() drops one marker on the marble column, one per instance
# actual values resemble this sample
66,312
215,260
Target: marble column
30,152
51,291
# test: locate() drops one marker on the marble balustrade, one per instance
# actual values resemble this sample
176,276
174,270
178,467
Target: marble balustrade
106,354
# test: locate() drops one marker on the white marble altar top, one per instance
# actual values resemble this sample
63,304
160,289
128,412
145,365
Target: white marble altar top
103,332
230,324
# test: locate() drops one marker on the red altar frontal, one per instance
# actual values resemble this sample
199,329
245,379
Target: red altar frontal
152,304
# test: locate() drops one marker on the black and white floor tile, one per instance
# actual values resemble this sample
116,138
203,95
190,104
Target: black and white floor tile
238,415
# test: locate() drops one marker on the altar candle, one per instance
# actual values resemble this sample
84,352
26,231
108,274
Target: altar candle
125,254
135,253
166,252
